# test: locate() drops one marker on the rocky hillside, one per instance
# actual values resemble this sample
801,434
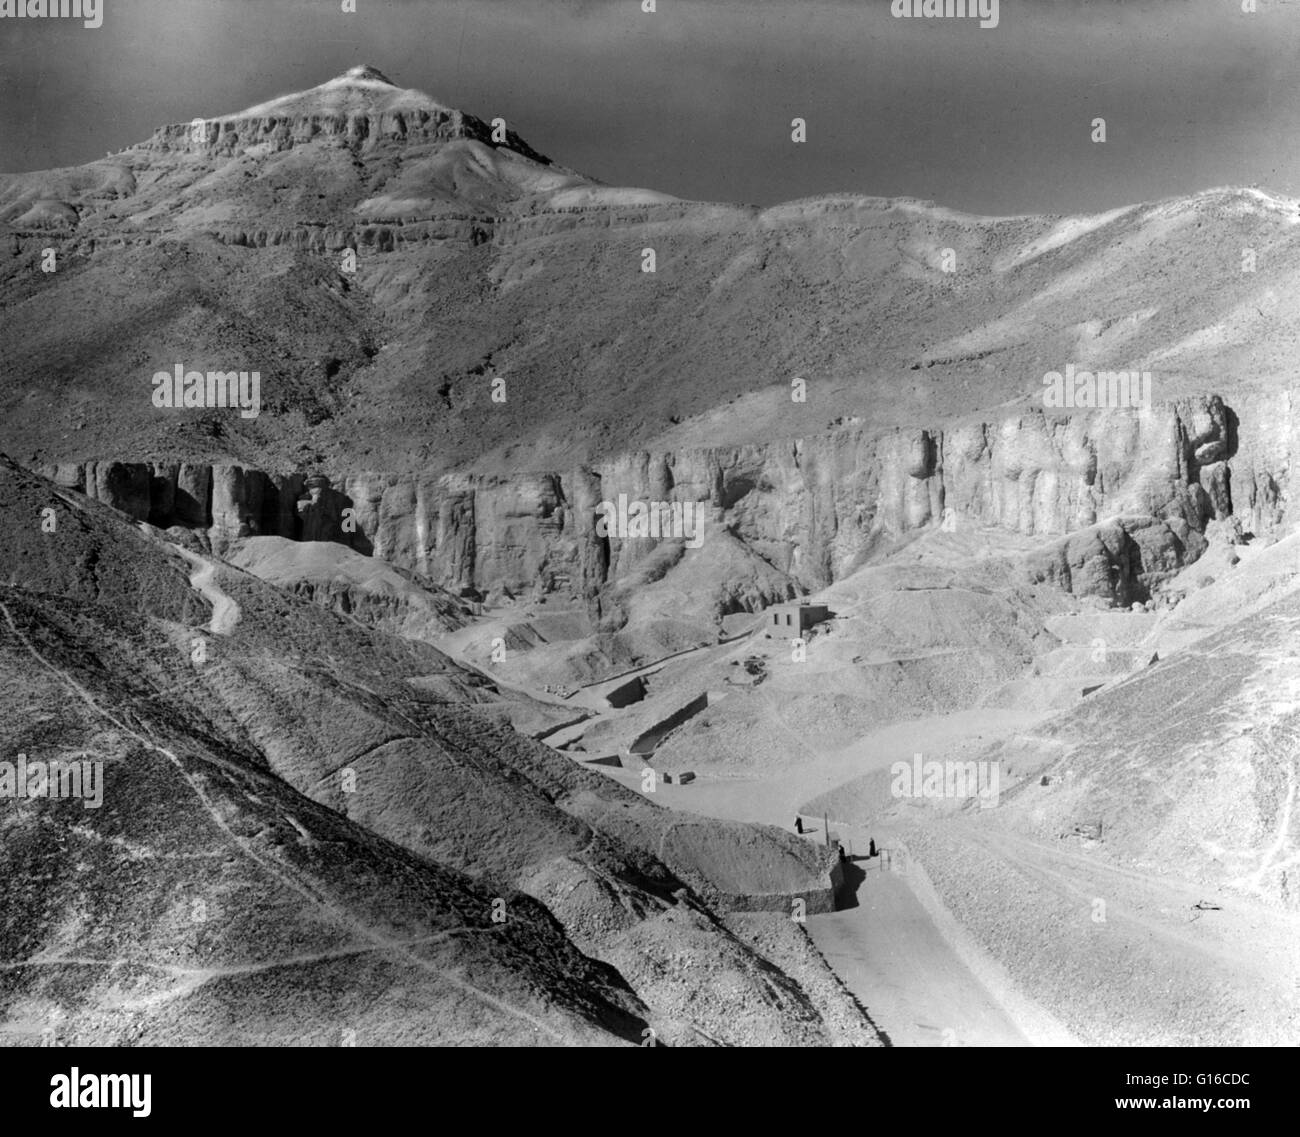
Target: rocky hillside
464,350
346,810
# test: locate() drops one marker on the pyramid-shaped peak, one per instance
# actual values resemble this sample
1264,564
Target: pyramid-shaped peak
362,105
365,73
359,90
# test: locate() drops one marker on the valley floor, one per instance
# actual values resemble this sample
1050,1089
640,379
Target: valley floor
956,921
921,984
998,927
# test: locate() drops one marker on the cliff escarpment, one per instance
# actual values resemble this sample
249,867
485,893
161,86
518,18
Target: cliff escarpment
1111,501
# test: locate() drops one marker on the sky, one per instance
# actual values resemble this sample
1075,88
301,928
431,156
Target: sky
697,98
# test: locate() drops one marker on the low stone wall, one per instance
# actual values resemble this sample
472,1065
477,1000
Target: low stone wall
817,901
647,741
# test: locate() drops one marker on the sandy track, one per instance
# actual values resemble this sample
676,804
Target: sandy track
1155,970
225,611
893,957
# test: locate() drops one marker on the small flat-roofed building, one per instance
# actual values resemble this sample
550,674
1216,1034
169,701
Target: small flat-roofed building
793,619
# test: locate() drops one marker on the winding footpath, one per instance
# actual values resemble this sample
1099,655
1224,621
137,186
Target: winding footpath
225,611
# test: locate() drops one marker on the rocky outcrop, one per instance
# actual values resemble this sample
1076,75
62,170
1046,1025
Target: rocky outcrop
224,502
1122,560
1128,492
231,136
365,588
385,238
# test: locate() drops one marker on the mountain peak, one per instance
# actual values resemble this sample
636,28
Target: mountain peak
360,106
359,90
365,73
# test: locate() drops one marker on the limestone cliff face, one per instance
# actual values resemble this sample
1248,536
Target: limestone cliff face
274,132
1128,494
281,128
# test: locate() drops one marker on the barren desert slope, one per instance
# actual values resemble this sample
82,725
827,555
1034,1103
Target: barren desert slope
400,575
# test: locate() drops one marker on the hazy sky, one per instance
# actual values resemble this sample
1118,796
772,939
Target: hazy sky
697,99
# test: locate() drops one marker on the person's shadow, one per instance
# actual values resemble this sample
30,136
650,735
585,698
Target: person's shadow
846,896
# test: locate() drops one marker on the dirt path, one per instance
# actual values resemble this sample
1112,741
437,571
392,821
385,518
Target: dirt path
894,959
1153,967
225,611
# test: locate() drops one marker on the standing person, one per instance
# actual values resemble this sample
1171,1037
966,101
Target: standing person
871,852
798,824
